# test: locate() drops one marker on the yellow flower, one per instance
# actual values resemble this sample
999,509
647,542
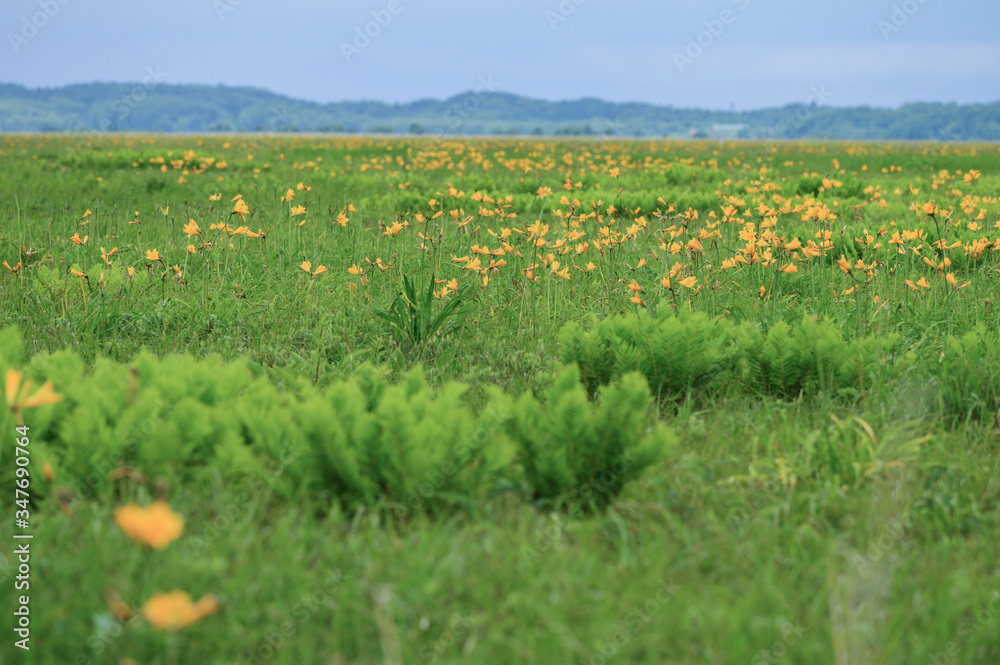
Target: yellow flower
929,208
355,270
215,197
614,172
156,526
923,282
78,273
174,610
240,209
76,239
789,268
688,282
289,195
307,266
153,255
192,228
17,395
298,210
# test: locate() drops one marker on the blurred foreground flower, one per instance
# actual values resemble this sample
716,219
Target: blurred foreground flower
17,395
156,526
174,610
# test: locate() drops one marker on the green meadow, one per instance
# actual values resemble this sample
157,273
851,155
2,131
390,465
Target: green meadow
321,399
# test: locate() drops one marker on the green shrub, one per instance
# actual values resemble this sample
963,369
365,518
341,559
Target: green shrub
359,442
809,358
571,449
675,353
968,376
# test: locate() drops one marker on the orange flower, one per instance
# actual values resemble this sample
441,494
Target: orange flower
929,208
192,228
789,268
174,610
17,395
240,209
307,266
156,526
688,282
153,255
298,210
76,239
14,269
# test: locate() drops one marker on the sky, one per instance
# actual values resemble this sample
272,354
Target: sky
716,54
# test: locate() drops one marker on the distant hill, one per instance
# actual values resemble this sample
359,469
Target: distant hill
149,107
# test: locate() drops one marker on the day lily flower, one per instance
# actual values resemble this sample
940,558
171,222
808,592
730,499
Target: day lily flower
174,610
688,282
156,526
240,209
307,266
192,228
19,397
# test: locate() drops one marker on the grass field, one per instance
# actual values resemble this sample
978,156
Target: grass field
497,401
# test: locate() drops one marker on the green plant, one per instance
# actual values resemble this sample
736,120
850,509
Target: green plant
676,353
808,358
572,450
412,317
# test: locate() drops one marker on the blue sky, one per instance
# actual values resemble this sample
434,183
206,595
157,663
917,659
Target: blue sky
686,53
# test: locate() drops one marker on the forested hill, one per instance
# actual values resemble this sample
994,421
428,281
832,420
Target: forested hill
156,107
